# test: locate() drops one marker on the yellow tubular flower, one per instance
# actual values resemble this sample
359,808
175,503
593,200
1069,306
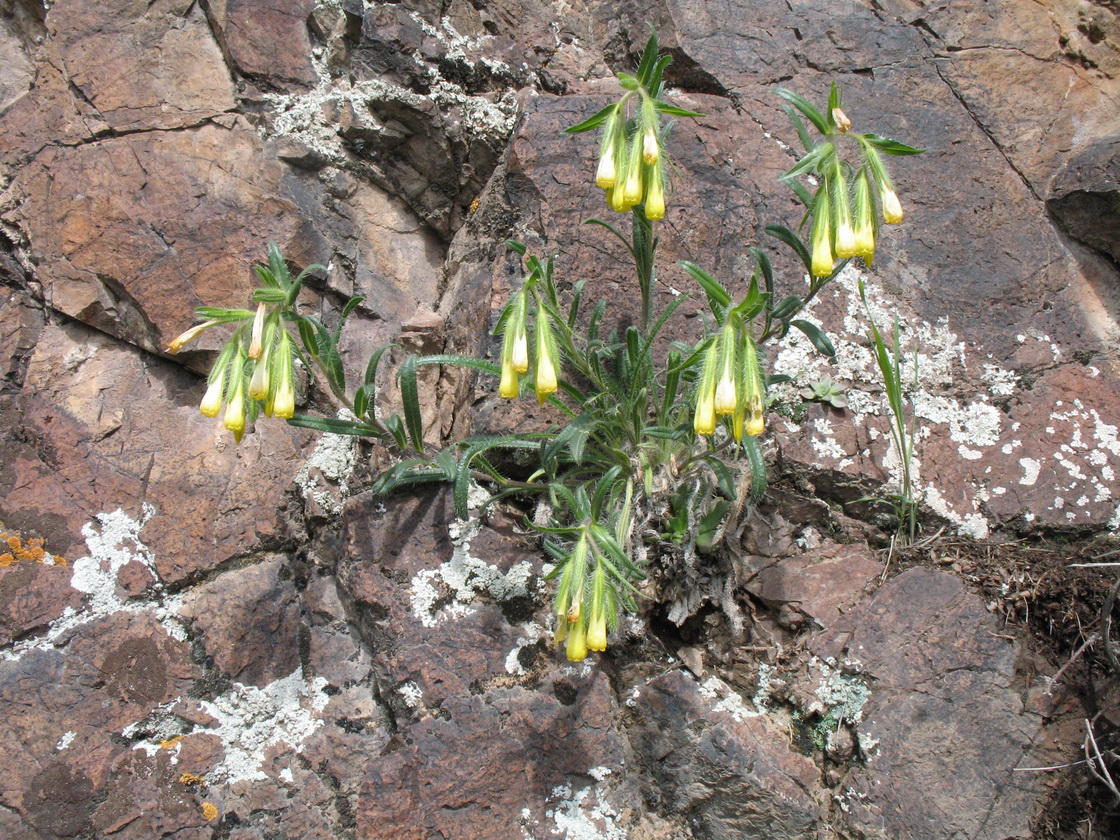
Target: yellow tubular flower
234,418
576,648
865,219
842,214
597,631
519,356
704,422
284,404
632,191
822,259
606,174
212,401
508,388
255,344
258,385
892,208
651,143
190,335
726,396
546,368
754,387
655,192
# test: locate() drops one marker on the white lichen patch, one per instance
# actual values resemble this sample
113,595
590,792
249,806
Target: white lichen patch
583,815
530,634
935,363
840,694
334,458
113,541
413,695
250,720
450,590
66,740
725,699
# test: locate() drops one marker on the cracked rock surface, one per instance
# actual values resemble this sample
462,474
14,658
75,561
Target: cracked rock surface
240,642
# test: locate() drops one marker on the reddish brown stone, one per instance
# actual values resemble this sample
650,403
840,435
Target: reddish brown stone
266,40
248,620
31,596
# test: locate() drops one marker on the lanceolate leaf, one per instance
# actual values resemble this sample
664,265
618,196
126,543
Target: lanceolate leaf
649,59
717,295
805,107
410,396
588,124
793,241
335,426
891,147
758,468
374,361
673,110
816,335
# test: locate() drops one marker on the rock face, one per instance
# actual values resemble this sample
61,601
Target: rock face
220,641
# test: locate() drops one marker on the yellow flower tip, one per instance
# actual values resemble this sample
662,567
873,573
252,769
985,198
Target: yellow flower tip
606,175
892,208
234,418
842,122
519,358
756,425
865,243
726,399
212,401
509,387
650,146
632,190
545,379
597,633
845,241
258,333
576,648
822,261
705,421
284,403
258,385
181,341
616,199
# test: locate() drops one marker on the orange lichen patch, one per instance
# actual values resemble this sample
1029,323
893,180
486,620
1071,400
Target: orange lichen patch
171,743
17,551
209,811
190,779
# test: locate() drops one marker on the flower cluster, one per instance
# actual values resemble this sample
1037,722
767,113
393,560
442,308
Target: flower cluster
254,370
632,171
731,383
849,198
514,329
632,161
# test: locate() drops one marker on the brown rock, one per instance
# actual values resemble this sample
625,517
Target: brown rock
734,773
62,462
31,596
248,621
821,584
1085,196
266,41
479,768
943,723
140,65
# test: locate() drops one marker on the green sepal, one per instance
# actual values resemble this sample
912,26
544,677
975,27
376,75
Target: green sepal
628,82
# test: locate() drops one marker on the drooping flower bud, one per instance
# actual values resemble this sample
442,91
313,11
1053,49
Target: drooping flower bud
754,387
545,375
234,417
655,192
284,400
606,175
822,258
255,343
842,213
726,396
576,649
704,421
519,356
865,219
892,207
632,192
212,400
190,335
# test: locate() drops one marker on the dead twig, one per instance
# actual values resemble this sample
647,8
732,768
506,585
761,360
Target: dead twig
1106,626
1096,761
1057,678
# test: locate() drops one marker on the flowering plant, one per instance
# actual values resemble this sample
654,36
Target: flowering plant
656,455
